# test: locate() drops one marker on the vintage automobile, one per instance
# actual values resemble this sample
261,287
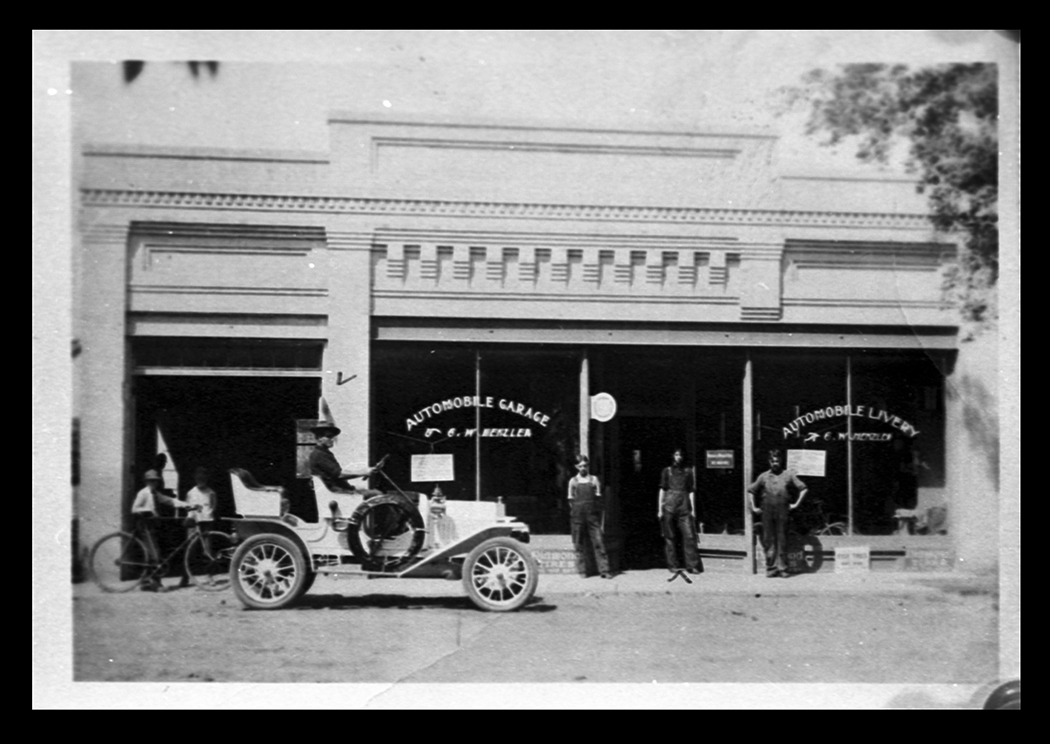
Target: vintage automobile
377,534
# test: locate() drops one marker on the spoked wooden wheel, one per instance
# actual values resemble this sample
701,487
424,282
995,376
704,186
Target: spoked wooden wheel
268,572
500,575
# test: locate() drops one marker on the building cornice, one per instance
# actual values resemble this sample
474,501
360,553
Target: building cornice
499,210
722,130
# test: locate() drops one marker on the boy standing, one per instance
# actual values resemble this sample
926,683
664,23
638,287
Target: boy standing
675,506
585,502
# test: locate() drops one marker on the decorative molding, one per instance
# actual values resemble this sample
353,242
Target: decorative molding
760,313
428,261
494,266
559,264
283,234
654,267
865,265
343,240
103,233
546,239
856,302
395,261
565,147
592,265
528,268
623,270
217,290
103,150
687,271
152,248
555,296
718,273
461,267
347,205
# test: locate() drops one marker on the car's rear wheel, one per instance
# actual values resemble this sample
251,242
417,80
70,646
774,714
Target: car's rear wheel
268,572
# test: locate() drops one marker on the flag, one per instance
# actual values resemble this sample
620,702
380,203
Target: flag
171,473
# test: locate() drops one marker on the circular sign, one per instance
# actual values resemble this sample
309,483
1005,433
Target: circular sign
603,407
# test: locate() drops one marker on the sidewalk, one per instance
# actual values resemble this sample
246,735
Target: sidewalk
655,582
725,582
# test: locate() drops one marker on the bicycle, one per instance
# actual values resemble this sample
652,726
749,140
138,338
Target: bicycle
826,526
121,561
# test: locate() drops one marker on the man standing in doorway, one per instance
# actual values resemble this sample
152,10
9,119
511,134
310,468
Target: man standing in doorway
773,487
675,505
585,503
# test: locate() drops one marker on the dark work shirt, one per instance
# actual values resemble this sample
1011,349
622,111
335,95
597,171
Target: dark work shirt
675,478
324,465
773,487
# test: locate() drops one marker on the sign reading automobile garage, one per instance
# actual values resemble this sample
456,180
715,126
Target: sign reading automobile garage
427,413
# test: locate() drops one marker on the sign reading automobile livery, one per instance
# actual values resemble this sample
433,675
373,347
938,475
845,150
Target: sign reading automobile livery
794,429
427,413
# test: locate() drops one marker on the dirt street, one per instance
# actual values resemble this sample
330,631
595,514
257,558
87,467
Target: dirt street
381,632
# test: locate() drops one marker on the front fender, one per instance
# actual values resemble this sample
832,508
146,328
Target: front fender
246,528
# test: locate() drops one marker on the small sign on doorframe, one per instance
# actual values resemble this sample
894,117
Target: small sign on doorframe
721,459
855,559
432,468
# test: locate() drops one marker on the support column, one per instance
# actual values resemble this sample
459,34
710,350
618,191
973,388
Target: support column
749,437
585,405
101,382
849,445
347,380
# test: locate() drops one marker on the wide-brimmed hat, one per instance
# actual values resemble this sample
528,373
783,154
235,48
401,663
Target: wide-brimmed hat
325,426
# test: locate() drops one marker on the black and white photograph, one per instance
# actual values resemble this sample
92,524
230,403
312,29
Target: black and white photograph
418,369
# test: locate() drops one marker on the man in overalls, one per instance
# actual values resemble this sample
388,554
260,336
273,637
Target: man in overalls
773,487
585,501
677,493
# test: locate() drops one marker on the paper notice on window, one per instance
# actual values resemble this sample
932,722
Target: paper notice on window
432,468
806,462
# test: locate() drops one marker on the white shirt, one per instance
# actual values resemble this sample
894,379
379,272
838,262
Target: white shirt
146,501
204,498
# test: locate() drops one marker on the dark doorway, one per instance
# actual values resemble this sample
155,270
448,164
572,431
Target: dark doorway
227,422
646,445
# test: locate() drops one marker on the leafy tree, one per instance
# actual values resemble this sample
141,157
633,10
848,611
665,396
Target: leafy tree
947,115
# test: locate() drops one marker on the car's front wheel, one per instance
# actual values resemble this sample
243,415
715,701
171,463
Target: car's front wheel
500,575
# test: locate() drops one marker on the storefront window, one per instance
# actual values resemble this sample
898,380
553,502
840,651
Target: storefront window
792,395
898,469
530,428
508,417
412,386
864,431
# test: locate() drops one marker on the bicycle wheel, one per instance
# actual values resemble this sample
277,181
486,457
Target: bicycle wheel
208,559
119,562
